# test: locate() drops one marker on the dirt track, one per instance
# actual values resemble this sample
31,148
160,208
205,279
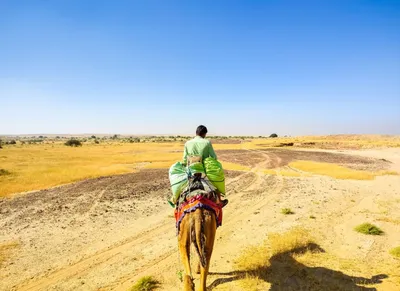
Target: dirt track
106,233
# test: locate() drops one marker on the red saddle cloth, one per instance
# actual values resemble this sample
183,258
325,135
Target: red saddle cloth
195,202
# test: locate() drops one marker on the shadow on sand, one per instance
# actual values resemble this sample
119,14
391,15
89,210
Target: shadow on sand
284,273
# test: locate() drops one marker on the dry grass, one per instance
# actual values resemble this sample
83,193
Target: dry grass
293,239
40,166
368,228
6,249
332,170
284,172
392,173
36,167
4,172
293,261
234,167
286,211
146,283
331,142
254,257
395,252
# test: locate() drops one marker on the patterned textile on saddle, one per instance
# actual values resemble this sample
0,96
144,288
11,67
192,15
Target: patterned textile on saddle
200,195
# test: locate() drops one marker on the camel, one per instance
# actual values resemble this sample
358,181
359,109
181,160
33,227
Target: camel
199,228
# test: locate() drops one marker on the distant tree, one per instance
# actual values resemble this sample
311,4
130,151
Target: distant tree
96,141
115,136
1,144
73,143
274,135
40,136
93,136
12,141
57,137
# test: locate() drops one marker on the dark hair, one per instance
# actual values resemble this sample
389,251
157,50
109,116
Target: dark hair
201,130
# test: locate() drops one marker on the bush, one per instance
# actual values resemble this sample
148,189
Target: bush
96,141
73,143
395,252
286,211
368,228
146,283
4,172
93,136
273,135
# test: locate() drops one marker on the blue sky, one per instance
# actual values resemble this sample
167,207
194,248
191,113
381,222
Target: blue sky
164,67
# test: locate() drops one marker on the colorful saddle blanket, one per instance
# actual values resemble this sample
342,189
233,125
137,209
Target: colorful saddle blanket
193,203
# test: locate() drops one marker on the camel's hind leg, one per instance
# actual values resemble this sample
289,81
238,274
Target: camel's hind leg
209,230
184,249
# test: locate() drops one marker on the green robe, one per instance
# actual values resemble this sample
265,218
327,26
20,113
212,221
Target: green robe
198,146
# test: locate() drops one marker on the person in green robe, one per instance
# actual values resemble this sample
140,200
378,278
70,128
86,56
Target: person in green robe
197,150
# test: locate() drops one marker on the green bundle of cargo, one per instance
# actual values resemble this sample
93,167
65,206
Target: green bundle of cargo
179,176
215,173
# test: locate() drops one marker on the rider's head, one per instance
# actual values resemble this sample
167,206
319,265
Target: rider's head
201,131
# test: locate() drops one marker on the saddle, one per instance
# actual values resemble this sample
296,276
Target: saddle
199,194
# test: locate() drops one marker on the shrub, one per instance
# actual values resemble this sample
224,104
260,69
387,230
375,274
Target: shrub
73,143
273,135
395,252
4,172
368,228
96,141
286,211
12,142
93,136
146,283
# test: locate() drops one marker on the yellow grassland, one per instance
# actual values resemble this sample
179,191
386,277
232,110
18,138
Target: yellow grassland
6,248
36,167
333,141
336,171
39,166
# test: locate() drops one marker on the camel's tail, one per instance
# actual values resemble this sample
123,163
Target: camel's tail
198,237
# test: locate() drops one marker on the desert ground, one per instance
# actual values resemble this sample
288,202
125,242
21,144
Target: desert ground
106,230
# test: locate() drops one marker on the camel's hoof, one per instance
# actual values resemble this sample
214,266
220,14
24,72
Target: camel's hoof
188,283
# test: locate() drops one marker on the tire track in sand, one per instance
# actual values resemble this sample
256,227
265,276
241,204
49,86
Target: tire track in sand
168,258
163,265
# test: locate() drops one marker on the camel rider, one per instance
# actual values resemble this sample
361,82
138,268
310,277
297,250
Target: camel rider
198,149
